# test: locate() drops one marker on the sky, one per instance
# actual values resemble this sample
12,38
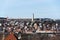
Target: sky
25,8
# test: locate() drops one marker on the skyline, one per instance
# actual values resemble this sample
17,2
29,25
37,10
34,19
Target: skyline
25,8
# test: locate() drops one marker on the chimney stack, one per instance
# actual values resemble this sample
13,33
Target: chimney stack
33,17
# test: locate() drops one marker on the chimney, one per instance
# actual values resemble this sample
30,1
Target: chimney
33,17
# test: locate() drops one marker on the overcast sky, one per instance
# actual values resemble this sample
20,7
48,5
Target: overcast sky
25,8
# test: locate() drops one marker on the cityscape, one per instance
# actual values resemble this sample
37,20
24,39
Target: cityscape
29,29
29,19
